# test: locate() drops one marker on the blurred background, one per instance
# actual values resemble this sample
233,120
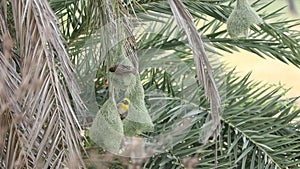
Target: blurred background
268,70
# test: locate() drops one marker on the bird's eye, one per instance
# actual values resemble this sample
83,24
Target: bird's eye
113,69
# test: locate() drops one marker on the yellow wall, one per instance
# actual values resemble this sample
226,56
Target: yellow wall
266,70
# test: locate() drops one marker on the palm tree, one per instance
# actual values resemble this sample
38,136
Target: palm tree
38,95
42,113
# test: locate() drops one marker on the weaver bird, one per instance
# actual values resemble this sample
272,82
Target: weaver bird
123,107
121,69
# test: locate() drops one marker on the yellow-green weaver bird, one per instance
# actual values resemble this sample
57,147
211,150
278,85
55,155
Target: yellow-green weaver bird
123,107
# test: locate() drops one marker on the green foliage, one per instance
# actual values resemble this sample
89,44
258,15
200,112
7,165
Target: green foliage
276,38
259,128
258,131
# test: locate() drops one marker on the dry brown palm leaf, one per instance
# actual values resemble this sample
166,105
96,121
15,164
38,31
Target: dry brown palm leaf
292,7
203,68
9,82
39,91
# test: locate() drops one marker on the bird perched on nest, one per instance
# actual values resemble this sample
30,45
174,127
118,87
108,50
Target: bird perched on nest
123,107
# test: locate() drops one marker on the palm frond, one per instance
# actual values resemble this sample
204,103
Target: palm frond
263,40
10,111
253,111
45,130
258,130
292,7
203,67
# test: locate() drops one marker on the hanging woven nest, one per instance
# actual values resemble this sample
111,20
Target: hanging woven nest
138,119
108,129
241,18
